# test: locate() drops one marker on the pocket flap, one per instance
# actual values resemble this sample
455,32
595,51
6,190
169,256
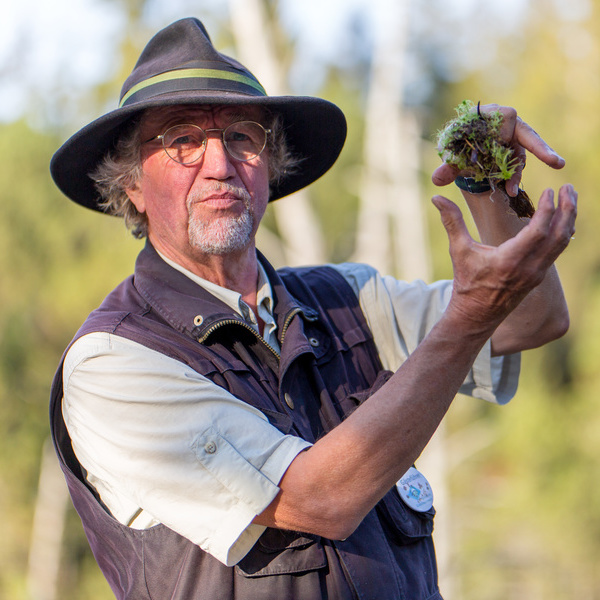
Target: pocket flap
280,552
406,525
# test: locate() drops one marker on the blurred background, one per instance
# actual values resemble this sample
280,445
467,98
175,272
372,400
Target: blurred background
516,487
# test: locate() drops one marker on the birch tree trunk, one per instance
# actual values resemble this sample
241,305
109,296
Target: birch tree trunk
391,233
48,526
301,235
391,225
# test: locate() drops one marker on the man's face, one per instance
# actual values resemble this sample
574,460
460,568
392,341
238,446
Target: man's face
212,206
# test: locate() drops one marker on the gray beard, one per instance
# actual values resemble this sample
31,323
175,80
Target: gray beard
225,234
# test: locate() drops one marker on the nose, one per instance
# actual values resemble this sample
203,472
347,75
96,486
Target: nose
216,162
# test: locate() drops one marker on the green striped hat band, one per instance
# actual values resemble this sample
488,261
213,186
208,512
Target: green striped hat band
181,80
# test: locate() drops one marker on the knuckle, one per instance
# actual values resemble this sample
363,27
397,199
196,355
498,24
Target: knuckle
564,239
537,236
491,107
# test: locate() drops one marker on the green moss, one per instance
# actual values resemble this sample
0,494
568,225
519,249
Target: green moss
472,143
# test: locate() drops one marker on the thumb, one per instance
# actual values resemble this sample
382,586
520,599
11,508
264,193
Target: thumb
444,175
452,218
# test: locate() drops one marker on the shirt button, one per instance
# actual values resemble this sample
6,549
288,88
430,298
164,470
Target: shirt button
210,447
314,342
288,400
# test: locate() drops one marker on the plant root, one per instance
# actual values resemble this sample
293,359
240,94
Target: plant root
521,204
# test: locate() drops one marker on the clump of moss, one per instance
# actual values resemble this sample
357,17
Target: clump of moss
472,143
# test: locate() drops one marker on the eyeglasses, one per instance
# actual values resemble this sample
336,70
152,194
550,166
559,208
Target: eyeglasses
185,144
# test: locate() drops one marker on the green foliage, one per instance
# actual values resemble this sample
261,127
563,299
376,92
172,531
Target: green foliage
524,507
57,262
532,525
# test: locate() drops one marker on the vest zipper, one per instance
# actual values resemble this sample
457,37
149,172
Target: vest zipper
284,329
216,326
288,320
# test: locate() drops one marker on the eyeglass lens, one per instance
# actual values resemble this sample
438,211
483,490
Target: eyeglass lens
243,140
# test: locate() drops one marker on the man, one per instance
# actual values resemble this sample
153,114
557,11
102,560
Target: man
229,431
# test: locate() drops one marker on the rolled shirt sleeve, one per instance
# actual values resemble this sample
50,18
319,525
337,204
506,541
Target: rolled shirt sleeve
400,315
153,433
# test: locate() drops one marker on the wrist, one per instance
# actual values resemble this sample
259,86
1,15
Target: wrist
472,323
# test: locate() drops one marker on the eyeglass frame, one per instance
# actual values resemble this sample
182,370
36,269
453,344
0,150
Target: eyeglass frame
161,137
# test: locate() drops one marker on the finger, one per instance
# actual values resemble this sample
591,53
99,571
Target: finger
512,185
509,123
545,212
557,223
566,212
520,135
514,129
453,220
550,229
567,198
527,137
444,175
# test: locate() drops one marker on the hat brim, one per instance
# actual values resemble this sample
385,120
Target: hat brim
315,131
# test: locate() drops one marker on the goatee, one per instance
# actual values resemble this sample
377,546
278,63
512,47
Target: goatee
221,234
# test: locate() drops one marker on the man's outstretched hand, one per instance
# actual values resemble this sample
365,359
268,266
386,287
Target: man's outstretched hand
490,281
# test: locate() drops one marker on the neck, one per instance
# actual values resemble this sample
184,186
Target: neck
237,271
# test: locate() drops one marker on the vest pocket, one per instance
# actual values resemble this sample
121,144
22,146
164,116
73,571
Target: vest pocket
281,552
405,524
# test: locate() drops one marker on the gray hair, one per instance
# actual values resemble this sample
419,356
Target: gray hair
121,169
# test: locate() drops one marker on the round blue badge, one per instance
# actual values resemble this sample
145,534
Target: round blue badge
415,490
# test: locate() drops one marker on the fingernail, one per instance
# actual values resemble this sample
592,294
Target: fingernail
558,156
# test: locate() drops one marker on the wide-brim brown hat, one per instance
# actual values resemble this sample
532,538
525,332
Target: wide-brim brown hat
181,66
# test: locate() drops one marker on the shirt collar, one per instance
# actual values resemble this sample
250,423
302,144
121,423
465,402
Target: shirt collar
264,293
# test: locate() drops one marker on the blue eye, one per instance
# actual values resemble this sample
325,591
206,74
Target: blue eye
182,140
182,136
237,136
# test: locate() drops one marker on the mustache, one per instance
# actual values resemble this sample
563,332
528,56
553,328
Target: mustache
219,188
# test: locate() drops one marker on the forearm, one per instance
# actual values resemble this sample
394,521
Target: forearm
329,488
493,218
543,315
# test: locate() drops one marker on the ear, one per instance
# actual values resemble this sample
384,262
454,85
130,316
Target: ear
137,197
